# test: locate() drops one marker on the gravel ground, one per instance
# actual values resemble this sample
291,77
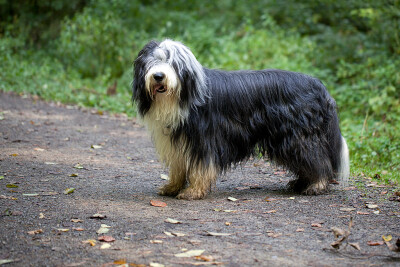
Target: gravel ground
248,220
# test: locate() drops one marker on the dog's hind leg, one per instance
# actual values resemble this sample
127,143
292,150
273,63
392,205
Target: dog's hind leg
177,179
201,179
313,169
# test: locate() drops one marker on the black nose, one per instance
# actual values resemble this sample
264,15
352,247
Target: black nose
158,76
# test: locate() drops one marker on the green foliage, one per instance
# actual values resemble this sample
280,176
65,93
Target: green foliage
72,51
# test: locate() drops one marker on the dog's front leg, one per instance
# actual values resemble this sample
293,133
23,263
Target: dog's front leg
201,178
177,179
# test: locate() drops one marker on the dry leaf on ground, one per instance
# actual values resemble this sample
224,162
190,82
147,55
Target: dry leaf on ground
35,232
158,203
190,253
375,243
106,238
92,242
98,216
173,221
217,234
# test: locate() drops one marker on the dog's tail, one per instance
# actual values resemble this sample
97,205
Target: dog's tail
343,170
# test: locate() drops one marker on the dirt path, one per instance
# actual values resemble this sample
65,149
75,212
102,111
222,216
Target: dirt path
118,175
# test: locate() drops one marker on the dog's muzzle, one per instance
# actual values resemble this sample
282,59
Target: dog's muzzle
159,87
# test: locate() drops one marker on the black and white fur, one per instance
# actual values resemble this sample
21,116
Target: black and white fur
204,121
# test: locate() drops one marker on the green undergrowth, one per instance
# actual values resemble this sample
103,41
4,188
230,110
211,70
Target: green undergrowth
76,51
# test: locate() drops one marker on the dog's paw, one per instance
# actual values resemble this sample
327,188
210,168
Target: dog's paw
317,188
191,194
169,190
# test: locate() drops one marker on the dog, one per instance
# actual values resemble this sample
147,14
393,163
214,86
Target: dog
205,121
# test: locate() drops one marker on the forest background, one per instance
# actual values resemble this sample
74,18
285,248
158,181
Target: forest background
81,52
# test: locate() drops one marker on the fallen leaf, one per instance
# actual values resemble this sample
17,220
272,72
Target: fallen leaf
228,223
31,195
375,243
164,177
217,234
155,264
5,261
50,163
242,187
158,203
63,229
78,229
12,186
333,181
104,229
387,238
78,166
106,238
41,215
96,146
38,149
14,155
269,199
355,245
73,175
347,209
76,220
98,216
178,234
190,253
318,225
395,247
371,206
120,261
1,177
300,230
105,246
69,191
338,232
232,199
362,213
270,211
274,235
168,233
156,241
173,221
228,211
336,244
35,232
204,258
7,197
92,242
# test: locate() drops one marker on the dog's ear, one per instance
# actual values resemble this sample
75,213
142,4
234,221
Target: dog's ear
139,94
190,72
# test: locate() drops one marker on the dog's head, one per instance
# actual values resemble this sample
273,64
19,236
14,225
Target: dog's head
167,69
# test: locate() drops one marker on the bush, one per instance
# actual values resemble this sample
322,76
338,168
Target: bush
73,51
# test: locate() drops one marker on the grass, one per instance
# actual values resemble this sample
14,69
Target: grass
91,54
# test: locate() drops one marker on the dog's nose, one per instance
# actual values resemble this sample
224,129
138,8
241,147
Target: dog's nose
158,76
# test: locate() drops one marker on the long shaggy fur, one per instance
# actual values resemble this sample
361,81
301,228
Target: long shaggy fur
204,121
